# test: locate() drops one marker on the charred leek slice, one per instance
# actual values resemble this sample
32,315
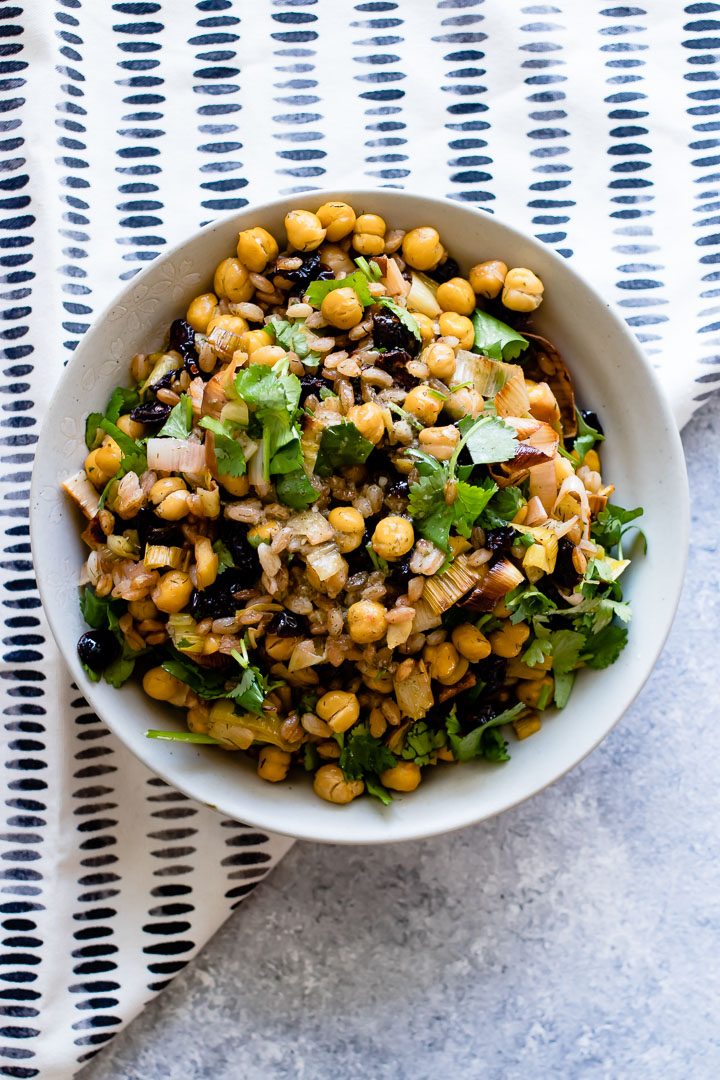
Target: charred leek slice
500,579
442,590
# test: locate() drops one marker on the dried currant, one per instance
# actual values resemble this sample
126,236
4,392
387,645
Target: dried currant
152,413
97,649
500,539
311,270
287,624
390,333
182,340
445,271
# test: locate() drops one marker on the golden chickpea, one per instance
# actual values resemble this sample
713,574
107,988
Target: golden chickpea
488,278
338,219
369,421
422,248
304,230
131,428
232,324
280,648
339,709
263,533
456,295
440,360
459,326
162,488
509,640
370,225
421,402
523,290
444,663
173,591
425,326
366,621
393,537
368,244
174,506
267,355
342,308
529,691
252,340
201,311
256,248
330,784
440,442
273,763
592,460
470,642
405,776
162,686
93,471
349,524
232,281
108,457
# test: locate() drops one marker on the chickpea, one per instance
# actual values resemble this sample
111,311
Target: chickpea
108,457
304,230
526,726
425,326
280,648
444,663
523,290
421,402
370,224
349,524
470,642
342,308
267,355
232,281
440,360
233,324
201,311
393,537
93,471
422,248
592,460
459,326
488,278
173,591
368,244
330,784
252,340
339,709
162,686
338,219
206,563
256,248
131,428
456,295
366,621
369,421
142,609
405,776
509,640
162,488
273,763
174,506
440,442
529,691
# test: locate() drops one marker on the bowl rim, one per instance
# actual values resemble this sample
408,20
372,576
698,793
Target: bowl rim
681,514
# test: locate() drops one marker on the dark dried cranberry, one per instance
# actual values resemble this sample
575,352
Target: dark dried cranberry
152,413
182,339
492,673
312,384
399,574
500,539
565,575
390,333
218,601
592,419
311,270
445,271
234,534
357,391
97,649
400,489
287,624
165,536
164,382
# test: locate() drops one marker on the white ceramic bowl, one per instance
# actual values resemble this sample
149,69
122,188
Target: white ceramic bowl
642,457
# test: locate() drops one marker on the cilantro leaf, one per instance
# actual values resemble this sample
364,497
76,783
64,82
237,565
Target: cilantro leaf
420,742
121,401
274,397
292,336
96,609
470,501
363,753
603,648
495,339
311,758
92,423
289,457
179,423
318,290
502,508
491,440
341,445
371,270
586,436
536,651
249,693
134,458
563,686
295,490
228,453
103,612
467,747
612,524
374,787
326,392
527,602
494,747
567,646
225,559
206,682
403,315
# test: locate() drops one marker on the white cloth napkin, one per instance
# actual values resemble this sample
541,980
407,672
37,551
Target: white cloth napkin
124,126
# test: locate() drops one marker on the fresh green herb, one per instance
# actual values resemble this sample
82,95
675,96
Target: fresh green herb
567,645
326,392
525,602
603,648
403,315
308,702
121,401
406,416
437,393
537,650
318,290
341,445
502,508
293,337
375,788
206,682
225,559
92,424
228,453
612,524
179,423
421,741
376,560
182,736
544,696
371,270
311,758
460,386
102,612
586,437
254,686
134,458
563,687
490,439
467,747
274,399
495,339
363,754
295,490
494,747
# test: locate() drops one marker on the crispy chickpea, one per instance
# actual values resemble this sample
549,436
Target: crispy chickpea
370,225
304,230
368,419
509,640
459,326
206,562
232,281
445,663
405,776
421,248
162,686
342,308
366,621
338,219
174,506
201,311
162,488
421,402
456,295
440,360
393,537
108,457
523,290
349,525
425,326
93,471
263,533
173,591
252,340
256,248
273,763
339,709
470,642
330,784
529,691
233,324
488,278
368,244
131,427
440,442
142,609
267,355
280,648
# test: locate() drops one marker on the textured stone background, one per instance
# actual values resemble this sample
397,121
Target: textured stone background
574,937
